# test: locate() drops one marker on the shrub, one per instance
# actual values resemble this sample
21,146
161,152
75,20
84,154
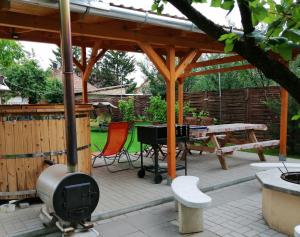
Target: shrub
157,110
54,91
293,138
127,109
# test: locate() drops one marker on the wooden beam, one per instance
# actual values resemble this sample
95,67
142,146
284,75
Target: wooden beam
5,5
185,61
83,58
283,123
156,60
230,59
84,95
115,32
78,64
171,134
95,56
212,71
180,101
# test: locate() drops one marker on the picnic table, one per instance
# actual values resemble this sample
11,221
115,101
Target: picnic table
220,139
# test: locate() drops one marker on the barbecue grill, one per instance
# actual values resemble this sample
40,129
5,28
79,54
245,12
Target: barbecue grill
156,135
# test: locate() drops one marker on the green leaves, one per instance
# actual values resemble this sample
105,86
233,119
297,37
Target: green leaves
229,40
227,5
259,13
126,108
296,116
216,3
292,35
158,6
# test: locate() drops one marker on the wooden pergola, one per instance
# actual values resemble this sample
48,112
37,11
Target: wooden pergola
173,44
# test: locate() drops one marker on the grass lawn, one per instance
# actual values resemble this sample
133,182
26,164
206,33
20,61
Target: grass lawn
99,138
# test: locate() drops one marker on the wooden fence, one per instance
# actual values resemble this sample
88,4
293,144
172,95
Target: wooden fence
238,105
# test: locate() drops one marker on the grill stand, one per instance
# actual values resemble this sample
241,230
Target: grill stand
84,229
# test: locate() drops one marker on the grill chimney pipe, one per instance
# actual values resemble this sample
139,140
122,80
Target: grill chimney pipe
69,99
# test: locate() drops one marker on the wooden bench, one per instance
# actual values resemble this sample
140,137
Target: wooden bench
254,145
191,202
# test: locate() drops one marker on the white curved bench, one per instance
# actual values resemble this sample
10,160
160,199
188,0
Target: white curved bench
297,231
267,166
191,202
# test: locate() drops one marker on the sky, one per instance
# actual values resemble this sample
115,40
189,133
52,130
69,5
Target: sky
43,52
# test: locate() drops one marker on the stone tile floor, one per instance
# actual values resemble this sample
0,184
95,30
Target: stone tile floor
235,212
123,190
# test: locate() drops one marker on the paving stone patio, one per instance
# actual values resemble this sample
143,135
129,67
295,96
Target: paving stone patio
123,191
235,212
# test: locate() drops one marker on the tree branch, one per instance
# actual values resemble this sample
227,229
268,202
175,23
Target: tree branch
246,16
271,67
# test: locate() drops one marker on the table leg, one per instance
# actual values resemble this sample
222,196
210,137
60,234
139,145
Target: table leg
260,151
221,157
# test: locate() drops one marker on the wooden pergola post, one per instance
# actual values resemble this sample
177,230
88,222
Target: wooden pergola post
180,100
171,119
84,84
87,67
283,123
170,73
190,58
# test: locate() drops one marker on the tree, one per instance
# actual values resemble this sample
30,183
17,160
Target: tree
54,91
114,69
157,85
57,62
229,80
258,48
10,52
27,79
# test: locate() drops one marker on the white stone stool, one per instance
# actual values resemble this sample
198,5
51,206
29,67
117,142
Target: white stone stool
297,231
191,202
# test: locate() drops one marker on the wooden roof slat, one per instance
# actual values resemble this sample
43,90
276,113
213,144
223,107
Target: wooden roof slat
229,59
219,70
114,32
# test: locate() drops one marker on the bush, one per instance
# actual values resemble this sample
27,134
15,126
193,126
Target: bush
54,91
157,110
127,109
293,138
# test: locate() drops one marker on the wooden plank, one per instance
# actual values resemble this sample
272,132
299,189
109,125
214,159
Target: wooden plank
221,158
19,149
201,148
171,120
185,62
79,131
60,137
235,127
180,102
29,162
88,160
156,60
44,138
10,163
219,70
3,167
260,151
37,147
283,121
217,61
52,138
256,145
